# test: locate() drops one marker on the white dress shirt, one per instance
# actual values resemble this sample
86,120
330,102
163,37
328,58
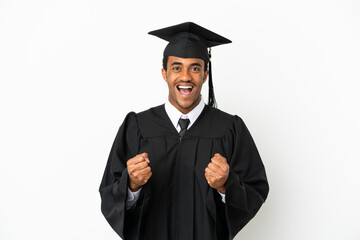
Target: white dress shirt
174,114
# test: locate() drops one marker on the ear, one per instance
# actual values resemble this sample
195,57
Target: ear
205,76
163,72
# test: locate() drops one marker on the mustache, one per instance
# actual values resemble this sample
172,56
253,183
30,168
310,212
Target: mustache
181,81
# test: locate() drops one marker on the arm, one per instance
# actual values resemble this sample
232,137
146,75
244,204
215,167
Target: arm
222,197
216,174
114,184
132,198
246,185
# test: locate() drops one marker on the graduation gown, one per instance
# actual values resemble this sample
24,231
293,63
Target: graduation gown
177,203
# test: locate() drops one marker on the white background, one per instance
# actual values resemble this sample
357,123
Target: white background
71,70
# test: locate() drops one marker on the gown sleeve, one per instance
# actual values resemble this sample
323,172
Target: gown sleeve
247,186
113,187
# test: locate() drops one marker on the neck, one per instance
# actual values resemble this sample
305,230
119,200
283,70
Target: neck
185,110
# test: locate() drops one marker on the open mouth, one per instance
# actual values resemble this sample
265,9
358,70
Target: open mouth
185,90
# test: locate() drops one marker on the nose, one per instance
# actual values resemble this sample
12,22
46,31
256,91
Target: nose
185,76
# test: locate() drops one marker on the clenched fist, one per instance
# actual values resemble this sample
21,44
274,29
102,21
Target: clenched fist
217,173
139,171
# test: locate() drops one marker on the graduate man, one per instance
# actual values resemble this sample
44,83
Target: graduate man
183,170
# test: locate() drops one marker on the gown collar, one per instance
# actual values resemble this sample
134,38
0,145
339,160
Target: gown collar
174,114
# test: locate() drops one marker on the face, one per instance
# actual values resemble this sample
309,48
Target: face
185,77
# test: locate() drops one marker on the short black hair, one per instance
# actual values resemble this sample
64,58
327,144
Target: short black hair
165,60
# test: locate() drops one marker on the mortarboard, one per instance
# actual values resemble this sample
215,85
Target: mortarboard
189,40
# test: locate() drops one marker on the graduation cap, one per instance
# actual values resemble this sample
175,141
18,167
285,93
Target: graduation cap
189,40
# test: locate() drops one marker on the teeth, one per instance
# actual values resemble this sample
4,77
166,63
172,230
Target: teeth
185,87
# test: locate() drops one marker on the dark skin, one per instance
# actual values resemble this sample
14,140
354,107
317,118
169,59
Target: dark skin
189,74
185,72
139,171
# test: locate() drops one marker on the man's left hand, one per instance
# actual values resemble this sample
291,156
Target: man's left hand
217,173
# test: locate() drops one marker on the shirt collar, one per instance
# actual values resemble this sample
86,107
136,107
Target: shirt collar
174,114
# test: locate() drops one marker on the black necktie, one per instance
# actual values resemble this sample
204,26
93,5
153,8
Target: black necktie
184,123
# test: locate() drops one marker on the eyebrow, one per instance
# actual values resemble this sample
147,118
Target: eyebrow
176,63
179,63
196,64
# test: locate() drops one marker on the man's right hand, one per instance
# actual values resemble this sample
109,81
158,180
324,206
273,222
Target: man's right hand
139,171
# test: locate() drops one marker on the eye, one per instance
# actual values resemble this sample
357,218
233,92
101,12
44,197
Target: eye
176,69
195,69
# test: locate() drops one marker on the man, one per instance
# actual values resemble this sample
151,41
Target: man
183,170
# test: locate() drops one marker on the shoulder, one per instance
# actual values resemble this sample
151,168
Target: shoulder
222,116
218,114
213,123
154,122
152,112
234,123
146,114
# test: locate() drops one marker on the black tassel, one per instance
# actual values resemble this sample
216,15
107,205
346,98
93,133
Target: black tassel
211,101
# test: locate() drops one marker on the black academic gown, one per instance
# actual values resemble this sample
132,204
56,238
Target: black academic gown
177,203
